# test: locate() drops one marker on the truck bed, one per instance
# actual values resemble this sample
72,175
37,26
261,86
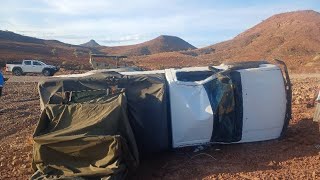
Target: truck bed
14,62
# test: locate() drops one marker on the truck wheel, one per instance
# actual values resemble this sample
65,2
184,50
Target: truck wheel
17,72
46,72
0,91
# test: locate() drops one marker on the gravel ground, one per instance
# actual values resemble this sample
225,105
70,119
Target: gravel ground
297,156
24,79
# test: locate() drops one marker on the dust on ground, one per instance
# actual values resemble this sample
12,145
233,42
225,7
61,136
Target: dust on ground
296,156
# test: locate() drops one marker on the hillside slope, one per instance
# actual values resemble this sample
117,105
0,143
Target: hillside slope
293,37
17,47
160,44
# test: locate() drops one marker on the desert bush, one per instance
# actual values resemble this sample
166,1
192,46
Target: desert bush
75,66
54,51
206,50
75,53
189,53
317,57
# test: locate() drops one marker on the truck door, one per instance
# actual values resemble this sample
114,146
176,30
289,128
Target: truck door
191,113
27,66
205,106
37,67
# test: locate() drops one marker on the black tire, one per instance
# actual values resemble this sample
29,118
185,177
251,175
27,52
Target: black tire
0,91
46,72
17,72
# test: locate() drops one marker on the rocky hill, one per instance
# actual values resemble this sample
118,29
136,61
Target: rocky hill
14,46
17,47
293,37
92,44
160,44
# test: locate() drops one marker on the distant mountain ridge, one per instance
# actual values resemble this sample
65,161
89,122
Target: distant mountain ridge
293,37
11,36
163,43
92,43
14,46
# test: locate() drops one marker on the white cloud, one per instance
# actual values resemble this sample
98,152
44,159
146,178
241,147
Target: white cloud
77,6
117,7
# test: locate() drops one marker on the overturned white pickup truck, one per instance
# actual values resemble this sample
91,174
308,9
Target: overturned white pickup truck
165,109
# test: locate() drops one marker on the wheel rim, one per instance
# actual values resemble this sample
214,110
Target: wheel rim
17,72
46,73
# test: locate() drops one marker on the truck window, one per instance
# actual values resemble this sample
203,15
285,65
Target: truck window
36,63
27,62
193,76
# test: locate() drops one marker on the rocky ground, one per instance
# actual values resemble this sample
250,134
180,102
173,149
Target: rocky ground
296,156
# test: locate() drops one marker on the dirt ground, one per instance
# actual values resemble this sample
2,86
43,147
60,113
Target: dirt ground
296,156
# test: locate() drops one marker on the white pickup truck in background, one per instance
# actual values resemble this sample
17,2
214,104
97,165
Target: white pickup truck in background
31,66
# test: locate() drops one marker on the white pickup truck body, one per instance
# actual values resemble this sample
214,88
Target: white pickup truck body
263,100
31,66
264,103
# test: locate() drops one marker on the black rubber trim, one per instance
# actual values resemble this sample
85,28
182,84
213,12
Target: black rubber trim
169,117
236,80
288,88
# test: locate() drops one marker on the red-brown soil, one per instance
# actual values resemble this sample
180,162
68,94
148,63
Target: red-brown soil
166,60
296,156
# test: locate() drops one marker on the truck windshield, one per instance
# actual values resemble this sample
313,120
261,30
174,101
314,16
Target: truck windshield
193,76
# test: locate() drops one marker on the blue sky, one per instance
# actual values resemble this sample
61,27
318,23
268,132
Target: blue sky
122,22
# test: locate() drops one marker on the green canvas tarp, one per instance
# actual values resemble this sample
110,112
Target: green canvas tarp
147,102
148,112
89,136
100,124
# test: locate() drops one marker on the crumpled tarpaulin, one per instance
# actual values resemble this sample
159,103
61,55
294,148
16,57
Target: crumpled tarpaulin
225,96
147,102
89,136
78,112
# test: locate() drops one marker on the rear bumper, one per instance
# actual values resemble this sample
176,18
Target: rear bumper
8,69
